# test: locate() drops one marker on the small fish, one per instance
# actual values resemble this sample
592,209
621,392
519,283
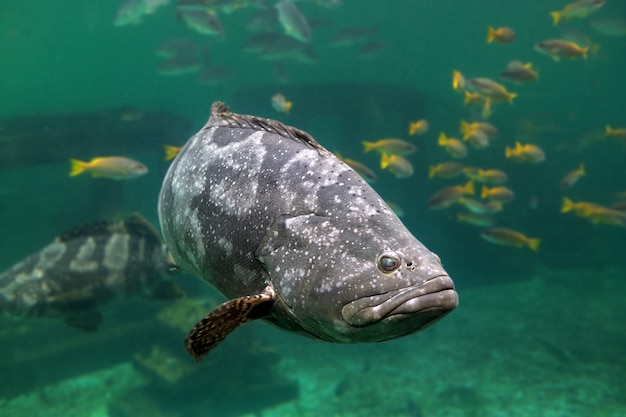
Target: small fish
450,195
559,48
596,213
361,169
491,89
491,176
458,81
204,22
572,177
453,146
478,207
391,146
418,127
448,169
180,65
130,12
580,208
576,10
500,193
509,237
112,167
519,72
171,151
525,153
579,38
501,35
478,139
618,133
609,216
280,103
613,26
177,47
398,165
480,220
293,21
468,128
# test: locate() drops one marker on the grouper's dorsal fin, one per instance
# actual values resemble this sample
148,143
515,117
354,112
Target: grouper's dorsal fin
222,116
219,323
86,230
135,225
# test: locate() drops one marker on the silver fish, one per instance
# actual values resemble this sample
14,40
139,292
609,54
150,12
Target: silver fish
293,21
293,235
85,268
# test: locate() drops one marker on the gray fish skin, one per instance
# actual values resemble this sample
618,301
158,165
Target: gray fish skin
85,268
256,207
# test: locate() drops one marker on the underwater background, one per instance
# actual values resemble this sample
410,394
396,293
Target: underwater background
536,333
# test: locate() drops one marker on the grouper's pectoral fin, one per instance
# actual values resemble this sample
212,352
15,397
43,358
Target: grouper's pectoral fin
216,325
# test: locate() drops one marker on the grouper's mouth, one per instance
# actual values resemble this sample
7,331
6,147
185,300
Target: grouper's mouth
423,304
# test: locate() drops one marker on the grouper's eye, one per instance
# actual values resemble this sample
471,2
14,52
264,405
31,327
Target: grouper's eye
389,262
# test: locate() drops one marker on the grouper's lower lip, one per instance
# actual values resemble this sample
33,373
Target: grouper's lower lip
434,297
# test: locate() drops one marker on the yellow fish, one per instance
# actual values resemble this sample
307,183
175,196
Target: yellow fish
491,176
450,195
458,81
478,100
489,88
520,72
500,193
580,208
509,237
525,153
596,213
397,165
609,216
618,133
360,168
418,127
478,207
449,169
572,177
578,9
501,35
390,146
481,220
112,167
468,128
453,146
280,103
171,151
559,48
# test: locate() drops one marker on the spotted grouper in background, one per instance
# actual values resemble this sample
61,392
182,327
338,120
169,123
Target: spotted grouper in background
293,235
86,268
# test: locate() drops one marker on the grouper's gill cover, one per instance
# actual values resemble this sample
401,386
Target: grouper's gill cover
291,234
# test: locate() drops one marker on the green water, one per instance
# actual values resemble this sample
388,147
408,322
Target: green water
534,334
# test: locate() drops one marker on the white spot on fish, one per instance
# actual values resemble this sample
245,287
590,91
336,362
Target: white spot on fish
116,252
50,255
82,262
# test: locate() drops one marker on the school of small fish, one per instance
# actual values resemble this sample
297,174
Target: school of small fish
280,31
